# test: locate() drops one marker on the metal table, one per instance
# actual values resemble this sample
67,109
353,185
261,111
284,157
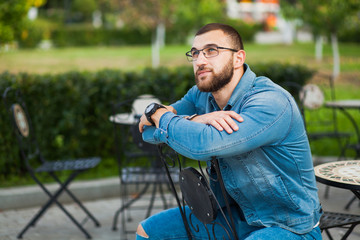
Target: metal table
124,118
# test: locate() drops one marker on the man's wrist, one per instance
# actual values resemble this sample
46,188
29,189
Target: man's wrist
157,116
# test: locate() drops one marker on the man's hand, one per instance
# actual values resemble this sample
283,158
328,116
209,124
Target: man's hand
155,117
220,120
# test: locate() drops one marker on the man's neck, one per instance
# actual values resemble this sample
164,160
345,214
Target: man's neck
223,95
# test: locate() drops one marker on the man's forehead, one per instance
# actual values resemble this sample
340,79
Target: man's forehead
212,38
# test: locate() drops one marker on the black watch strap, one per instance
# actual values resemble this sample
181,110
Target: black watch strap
151,109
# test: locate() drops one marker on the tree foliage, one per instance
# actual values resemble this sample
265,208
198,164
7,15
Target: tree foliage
323,16
184,13
12,13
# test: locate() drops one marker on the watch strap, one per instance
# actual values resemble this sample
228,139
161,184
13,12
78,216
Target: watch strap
155,107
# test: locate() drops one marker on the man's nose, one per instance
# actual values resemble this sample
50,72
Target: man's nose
201,60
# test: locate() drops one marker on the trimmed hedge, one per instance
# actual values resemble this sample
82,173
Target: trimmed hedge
71,110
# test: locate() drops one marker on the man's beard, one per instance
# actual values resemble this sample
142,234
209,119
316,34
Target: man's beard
218,80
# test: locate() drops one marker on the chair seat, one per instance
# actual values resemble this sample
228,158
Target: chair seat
147,175
77,164
332,219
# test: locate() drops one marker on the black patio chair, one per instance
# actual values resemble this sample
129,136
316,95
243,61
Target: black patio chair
313,98
338,220
37,165
140,167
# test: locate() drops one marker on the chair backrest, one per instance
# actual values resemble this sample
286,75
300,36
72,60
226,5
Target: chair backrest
128,137
22,126
311,96
313,99
141,102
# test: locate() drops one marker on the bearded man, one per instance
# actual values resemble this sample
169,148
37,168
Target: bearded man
255,130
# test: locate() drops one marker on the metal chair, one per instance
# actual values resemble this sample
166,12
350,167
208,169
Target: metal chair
325,121
313,99
139,162
37,165
338,220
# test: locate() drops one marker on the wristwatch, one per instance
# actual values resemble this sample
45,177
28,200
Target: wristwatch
150,110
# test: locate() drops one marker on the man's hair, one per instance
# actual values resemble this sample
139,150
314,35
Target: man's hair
228,30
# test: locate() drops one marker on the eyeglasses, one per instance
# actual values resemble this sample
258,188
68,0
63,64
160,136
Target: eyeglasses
208,52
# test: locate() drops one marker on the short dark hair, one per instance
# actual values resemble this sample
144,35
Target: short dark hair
228,30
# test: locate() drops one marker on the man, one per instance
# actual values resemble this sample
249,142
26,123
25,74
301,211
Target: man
254,128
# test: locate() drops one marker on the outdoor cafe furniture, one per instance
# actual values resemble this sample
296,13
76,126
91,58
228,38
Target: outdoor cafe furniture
37,165
139,162
345,175
344,106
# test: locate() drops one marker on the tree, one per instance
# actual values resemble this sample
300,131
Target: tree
157,15
12,12
325,17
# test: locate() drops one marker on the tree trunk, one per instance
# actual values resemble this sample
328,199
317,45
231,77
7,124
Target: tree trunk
319,48
336,55
158,41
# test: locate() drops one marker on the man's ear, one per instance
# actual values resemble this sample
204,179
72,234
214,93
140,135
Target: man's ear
239,58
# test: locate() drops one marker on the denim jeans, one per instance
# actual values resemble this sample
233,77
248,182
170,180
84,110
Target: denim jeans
168,225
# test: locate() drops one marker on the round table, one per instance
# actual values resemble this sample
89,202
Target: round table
341,174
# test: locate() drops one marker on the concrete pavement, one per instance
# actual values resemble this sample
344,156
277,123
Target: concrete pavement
54,225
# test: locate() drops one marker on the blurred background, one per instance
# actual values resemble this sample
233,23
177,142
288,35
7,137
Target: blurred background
73,58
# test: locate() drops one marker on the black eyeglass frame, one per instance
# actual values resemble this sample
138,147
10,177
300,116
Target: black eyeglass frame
191,59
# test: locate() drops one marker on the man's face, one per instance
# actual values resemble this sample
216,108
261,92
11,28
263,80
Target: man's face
212,74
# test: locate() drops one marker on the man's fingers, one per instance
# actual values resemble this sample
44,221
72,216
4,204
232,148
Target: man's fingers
235,116
216,125
142,123
228,124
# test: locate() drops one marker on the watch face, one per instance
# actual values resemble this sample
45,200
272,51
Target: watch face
148,109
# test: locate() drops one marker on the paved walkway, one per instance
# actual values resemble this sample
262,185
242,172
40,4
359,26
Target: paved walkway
54,225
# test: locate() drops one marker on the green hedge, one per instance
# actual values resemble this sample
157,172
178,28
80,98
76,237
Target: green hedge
71,110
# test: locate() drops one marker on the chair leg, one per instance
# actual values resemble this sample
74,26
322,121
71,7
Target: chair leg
128,204
97,224
162,196
53,199
328,234
348,232
152,199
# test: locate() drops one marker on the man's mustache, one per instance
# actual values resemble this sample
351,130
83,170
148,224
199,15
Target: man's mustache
201,68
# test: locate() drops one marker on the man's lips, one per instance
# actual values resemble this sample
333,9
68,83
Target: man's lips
203,72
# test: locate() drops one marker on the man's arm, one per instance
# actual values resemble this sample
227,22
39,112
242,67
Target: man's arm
267,120
221,120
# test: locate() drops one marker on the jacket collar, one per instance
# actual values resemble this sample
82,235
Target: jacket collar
245,84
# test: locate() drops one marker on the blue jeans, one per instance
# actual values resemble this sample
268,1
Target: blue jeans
168,225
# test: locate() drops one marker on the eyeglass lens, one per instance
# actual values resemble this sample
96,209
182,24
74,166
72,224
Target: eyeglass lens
208,52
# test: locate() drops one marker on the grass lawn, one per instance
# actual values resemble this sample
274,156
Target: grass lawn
129,58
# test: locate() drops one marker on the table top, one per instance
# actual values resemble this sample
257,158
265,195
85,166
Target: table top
124,118
354,103
342,174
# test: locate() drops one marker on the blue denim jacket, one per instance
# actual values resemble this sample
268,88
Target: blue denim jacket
266,165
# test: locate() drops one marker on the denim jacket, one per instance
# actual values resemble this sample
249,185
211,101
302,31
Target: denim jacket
266,165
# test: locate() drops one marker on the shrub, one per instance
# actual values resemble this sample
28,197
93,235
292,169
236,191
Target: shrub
71,110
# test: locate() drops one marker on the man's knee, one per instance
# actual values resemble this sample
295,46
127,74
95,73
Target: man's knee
141,232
